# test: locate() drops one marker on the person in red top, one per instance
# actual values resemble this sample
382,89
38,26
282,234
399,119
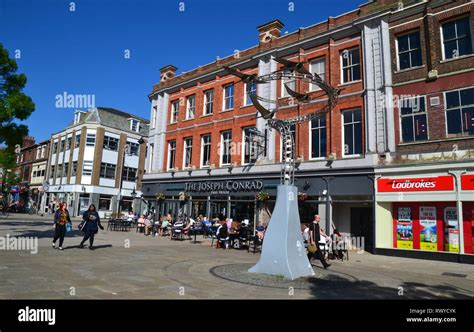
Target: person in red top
61,218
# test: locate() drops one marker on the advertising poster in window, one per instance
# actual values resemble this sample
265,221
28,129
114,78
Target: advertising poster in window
404,228
428,238
451,230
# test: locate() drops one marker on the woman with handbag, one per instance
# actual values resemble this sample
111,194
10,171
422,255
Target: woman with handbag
61,221
90,226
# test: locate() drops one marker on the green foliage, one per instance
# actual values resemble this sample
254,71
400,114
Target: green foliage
7,169
14,104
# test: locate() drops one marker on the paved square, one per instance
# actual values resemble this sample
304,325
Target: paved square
129,265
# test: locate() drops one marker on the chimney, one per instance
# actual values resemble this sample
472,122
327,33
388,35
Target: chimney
28,141
269,31
167,72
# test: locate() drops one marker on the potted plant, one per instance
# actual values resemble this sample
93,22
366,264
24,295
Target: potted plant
262,196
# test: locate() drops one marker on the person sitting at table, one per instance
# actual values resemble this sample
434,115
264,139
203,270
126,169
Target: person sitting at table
260,232
222,235
148,225
141,222
163,226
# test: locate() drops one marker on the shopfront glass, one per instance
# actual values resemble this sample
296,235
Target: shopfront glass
218,207
240,211
199,207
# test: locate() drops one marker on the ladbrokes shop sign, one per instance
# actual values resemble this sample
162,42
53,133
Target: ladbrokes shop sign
225,186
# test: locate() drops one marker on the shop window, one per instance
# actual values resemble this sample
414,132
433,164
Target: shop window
413,119
460,112
404,227
107,171
105,202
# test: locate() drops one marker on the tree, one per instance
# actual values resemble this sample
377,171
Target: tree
14,104
8,176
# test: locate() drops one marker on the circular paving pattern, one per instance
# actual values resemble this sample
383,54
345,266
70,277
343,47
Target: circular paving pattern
322,278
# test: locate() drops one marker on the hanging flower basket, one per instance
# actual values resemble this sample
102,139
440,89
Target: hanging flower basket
302,196
183,196
263,196
160,196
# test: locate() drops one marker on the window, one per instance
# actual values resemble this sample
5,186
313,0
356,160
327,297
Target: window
43,151
134,148
55,147
317,66
38,152
65,169
352,132
226,147
68,142
409,51
188,152
250,146
206,150
190,107
111,143
171,154
87,167
250,89
413,120
74,168
107,171
63,143
456,37
289,81
293,134
208,102
350,60
59,172
90,139
174,111
228,97
129,174
460,112
154,114
51,172
77,141
105,202
318,137
150,157
134,125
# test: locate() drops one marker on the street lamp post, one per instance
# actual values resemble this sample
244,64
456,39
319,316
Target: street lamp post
126,151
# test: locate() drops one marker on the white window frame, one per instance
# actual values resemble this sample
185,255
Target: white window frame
222,148
207,102
90,136
460,109
314,87
341,59
202,150
246,94
186,146
132,122
190,107
169,156
344,155
153,116
311,140
225,97
84,168
243,147
174,111
410,50
443,57
292,85
401,101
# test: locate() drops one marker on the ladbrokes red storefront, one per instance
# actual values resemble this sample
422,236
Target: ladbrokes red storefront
419,215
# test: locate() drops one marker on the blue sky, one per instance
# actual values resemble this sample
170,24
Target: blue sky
82,51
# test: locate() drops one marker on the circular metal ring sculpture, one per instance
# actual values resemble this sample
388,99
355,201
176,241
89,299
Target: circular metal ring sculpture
294,71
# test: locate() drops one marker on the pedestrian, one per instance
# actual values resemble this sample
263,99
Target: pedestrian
315,237
61,218
91,226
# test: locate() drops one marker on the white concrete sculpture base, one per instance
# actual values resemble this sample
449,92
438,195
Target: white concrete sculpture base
283,251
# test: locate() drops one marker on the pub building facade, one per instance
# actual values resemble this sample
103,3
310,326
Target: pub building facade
425,192
203,147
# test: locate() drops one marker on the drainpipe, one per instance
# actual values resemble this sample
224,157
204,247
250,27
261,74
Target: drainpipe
457,178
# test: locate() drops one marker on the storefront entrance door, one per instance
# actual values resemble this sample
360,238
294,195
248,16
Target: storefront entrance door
362,226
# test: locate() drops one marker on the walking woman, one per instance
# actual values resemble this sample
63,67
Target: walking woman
61,218
91,226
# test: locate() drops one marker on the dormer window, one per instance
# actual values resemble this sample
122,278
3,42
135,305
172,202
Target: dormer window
77,116
134,125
